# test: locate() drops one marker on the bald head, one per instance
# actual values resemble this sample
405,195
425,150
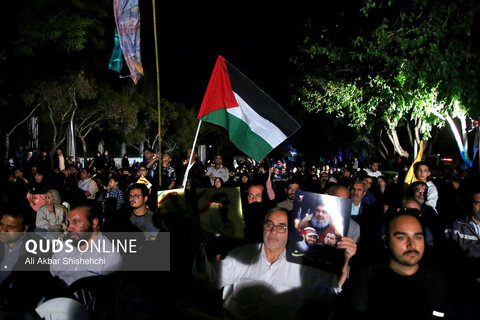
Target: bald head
339,191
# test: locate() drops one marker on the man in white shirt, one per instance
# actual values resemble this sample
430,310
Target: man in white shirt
217,171
87,184
260,283
85,260
372,169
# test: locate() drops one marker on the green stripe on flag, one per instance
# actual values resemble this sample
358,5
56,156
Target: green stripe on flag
240,134
116,60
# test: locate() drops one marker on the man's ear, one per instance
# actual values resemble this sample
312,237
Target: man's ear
95,223
385,243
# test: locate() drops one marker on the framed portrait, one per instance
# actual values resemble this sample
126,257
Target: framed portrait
220,211
317,223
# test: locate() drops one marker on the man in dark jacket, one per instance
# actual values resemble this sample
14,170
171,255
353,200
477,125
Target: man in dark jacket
379,291
24,279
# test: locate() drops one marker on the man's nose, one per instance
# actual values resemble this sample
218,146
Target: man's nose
410,243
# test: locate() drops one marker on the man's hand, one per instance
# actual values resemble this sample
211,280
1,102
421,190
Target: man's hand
349,245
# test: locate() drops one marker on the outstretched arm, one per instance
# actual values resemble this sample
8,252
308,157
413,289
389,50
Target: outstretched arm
350,247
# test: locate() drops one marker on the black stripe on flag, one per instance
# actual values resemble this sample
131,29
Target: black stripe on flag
259,101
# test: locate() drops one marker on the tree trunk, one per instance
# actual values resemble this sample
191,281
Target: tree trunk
460,137
392,135
410,135
84,149
385,154
55,143
6,144
462,141
7,135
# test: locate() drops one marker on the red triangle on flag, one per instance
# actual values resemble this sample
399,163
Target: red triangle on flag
219,94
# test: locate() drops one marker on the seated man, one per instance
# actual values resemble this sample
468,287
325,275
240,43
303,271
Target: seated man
292,187
379,291
87,184
23,281
84,229
260,283
141,215
465,234
422,173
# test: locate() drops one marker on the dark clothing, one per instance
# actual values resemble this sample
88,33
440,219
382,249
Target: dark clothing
16,191
370,247
38,188
27,284
254,216
387,197
125,163
196,174
369,198
106,162
168,175
377,292
432,220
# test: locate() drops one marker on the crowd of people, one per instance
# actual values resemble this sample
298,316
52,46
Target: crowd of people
411,249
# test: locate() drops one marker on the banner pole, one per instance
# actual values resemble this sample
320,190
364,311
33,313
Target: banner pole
158,96
191,155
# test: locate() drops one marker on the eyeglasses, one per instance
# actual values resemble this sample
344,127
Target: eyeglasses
420,190
134,196
278,227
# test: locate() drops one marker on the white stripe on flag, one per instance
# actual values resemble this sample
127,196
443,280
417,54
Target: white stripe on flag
261,126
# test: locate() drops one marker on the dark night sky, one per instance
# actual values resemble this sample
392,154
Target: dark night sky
259,46
257,38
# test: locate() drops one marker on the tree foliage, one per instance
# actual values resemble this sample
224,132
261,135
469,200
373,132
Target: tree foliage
65,25
392,64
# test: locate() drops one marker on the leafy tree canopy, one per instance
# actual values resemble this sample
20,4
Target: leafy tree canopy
389,62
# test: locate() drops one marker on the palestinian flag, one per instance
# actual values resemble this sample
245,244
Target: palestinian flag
256,124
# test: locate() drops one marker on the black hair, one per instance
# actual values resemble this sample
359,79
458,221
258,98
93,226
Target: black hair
94,209
293,181
413,186
115,178
420,163
140,186
404,212
16,211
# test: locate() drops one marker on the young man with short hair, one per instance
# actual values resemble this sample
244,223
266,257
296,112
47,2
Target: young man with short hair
142,216
380,291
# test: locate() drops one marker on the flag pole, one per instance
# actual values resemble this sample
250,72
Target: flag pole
184,183
158,96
